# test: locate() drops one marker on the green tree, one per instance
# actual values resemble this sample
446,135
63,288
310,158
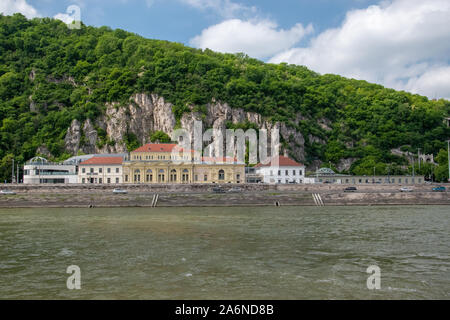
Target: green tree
160,137
441,171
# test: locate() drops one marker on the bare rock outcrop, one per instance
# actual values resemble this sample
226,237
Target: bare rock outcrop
345,164
146,113
43,151
90,137
73,136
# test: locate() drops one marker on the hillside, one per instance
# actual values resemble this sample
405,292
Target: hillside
64,92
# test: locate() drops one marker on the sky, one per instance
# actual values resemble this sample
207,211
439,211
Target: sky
401,44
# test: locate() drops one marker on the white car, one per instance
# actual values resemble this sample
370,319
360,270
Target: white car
120,191
7,192
406,189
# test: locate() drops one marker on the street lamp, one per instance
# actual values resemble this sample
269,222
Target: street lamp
448,150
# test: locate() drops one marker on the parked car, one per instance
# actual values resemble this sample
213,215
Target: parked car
120,191
235,190
7,192
218,190
350,189
406,189
439,189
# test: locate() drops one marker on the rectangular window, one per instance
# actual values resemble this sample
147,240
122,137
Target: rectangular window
293,172
286,172
83,170
205,177
279,173
109,170
109,180
300,172
100,170
126,178
83,180
117,170
117,180
100,180
92,170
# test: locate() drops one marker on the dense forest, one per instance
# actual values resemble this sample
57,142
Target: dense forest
50,75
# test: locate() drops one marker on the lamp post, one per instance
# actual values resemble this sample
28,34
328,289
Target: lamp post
418,157
12,172
448,150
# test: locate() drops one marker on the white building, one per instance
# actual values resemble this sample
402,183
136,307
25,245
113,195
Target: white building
101,170
40,171
284,170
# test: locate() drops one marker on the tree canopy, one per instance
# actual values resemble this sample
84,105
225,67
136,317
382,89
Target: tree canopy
50,75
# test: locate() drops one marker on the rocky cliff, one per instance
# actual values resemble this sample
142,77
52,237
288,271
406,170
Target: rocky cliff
147,113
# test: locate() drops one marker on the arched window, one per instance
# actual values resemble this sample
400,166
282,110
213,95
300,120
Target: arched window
173,175
221,175
161,176
137,175
149,176
185,176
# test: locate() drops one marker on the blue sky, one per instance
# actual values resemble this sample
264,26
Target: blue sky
178,20
403,44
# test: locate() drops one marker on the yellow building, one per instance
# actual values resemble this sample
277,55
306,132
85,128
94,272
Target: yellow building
156,163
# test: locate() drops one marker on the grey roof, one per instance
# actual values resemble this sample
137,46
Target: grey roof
325,171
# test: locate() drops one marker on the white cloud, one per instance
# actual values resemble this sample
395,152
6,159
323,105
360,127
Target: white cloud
404,44
9,7
259,39
64,17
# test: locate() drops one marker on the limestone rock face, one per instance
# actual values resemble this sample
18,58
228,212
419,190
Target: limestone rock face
345,164
73,136
147,113
43,150
90,135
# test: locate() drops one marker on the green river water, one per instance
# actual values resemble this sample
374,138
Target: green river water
226,253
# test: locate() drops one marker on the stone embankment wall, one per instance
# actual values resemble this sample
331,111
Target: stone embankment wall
202,195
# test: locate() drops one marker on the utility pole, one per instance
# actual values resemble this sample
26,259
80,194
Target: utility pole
389,173
12,171
448,150
418,157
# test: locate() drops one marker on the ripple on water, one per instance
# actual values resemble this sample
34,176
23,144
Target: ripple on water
240,253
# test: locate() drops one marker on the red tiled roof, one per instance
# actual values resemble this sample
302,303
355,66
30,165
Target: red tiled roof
282,162
158,147
103,160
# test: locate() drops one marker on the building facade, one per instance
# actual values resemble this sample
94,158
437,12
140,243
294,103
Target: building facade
327,175
157,163
101,170
283,171
40,171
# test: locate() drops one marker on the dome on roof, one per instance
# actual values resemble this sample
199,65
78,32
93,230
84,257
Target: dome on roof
38,160
325,171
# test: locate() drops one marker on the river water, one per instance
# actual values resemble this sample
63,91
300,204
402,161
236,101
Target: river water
226,253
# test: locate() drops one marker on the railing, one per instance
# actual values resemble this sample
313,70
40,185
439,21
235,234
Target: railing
54,174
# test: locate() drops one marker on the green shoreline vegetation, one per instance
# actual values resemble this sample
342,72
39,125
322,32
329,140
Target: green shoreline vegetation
50,75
